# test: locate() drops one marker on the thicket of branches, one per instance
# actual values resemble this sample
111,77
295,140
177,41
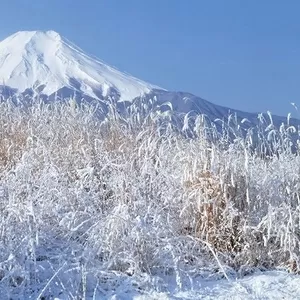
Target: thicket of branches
86,202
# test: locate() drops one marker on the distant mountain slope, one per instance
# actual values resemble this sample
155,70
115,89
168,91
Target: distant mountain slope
186,103
46,64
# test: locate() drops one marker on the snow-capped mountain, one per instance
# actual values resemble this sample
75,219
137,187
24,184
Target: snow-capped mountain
46,61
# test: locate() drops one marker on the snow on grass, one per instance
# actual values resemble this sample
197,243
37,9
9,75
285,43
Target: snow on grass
128,207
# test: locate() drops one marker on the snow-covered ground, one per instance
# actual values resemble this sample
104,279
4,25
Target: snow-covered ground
271,285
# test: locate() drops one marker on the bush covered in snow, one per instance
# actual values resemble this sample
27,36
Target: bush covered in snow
87,203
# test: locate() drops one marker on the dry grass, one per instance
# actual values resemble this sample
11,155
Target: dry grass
13,141
134,199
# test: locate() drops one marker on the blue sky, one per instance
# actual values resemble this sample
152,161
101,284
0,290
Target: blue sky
240,54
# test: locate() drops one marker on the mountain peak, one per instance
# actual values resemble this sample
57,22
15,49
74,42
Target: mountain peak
24,37
31,59
49,33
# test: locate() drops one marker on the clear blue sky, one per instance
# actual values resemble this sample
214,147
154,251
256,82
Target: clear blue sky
242,54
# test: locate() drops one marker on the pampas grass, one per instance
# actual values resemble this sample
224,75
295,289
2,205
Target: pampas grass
87,201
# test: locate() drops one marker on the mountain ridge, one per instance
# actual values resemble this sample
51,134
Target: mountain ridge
29,59
47,64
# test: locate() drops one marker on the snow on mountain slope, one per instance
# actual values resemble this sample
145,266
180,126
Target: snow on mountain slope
186,103
48,63
32,59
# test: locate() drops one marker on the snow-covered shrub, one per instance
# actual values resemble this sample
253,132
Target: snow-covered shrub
86,201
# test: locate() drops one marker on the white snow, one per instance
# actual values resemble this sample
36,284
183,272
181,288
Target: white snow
271,285
29,59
